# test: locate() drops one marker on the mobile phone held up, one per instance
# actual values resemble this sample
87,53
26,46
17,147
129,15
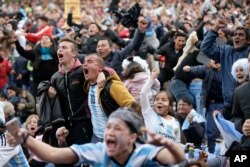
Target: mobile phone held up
12,127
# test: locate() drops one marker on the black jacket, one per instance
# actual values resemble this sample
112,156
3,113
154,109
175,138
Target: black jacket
69,87
49,112
115,58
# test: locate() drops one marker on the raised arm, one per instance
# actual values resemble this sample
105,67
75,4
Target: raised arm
172,152
137,39
208,45
199,71
70,18
25,53
144,100
43,150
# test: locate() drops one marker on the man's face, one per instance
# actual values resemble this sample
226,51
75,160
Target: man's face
154,20
118,138
183,108
103,48
179,42
239,39
40,23
70,32
11,93
65,53
93,29
91,68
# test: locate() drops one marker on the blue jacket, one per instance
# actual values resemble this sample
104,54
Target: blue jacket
226,55
209,77
114,59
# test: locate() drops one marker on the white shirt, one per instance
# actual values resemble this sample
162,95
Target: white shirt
156,123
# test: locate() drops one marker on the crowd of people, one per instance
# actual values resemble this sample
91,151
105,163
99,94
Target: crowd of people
130,83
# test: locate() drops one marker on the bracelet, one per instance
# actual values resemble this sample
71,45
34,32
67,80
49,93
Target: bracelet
25,139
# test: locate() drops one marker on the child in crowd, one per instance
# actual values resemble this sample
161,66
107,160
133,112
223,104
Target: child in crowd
136,72
31,125
160,119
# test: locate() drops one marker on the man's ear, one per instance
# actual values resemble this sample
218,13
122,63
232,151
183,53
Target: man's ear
75,54
101,67
133,137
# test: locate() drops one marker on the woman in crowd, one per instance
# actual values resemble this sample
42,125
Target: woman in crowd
44,58
240,71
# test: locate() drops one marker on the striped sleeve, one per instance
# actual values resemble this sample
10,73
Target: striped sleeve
90,153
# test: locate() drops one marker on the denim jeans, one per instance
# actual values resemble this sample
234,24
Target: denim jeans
179,89
195,90
212,131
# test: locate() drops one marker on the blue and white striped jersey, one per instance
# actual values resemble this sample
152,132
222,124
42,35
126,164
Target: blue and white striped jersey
96,156
98,116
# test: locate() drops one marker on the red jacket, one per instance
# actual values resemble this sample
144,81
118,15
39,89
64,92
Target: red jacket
35,37
4,72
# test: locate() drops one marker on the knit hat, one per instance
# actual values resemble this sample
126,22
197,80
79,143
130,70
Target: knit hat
137,59
133,120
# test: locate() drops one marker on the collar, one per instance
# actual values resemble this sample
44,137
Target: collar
114,160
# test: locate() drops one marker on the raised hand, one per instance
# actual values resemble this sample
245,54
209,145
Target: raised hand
157,139
13,141
101,80
220,23
52,92
61,134
247,22
216,112
142,24
155,73
187,68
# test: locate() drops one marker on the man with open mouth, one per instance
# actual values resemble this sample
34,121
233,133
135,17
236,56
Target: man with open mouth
67,84
103,99
226,55
118,149
114,59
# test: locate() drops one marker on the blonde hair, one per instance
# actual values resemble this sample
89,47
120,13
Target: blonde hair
8,108
28,120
